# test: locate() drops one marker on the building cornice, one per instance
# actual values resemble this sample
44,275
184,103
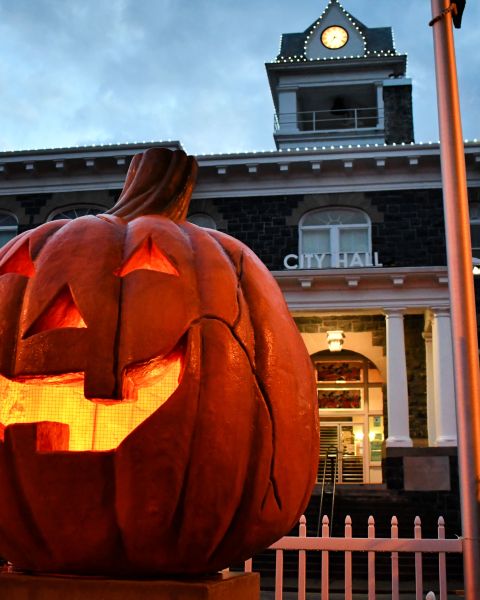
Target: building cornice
324,169
357,290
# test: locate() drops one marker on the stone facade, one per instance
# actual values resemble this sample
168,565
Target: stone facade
407,226
412,232
372,323
397,100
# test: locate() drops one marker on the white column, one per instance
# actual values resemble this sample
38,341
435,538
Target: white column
397,388
444,387
287,110
431,421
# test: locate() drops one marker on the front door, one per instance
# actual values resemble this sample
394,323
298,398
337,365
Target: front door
341,453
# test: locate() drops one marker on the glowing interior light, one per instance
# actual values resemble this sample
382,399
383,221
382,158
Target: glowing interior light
94,424
147,256
62,312
19,262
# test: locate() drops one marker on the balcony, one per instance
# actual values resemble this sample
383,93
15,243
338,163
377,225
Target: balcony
330,121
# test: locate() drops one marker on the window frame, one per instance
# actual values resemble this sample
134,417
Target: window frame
334,230
54,215
203,215
8,228
474,218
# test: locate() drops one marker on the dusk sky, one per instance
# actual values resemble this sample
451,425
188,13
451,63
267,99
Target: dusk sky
77,72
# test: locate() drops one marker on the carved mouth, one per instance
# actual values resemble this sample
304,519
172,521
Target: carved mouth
93,424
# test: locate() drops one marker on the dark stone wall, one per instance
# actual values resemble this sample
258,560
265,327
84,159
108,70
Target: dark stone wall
260,223
355,323
397,101
411,233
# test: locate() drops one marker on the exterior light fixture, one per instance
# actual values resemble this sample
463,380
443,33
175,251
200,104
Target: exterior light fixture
335,340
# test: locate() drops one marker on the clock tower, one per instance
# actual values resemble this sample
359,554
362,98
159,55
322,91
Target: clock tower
340,82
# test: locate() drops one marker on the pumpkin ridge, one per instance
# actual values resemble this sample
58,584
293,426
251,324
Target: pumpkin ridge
177,515
216,236
244,501
264,397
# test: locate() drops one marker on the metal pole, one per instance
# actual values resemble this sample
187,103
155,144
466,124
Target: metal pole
462,299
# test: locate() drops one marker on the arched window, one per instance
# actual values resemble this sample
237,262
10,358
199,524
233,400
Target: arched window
8,227
202,220
334,237
73,212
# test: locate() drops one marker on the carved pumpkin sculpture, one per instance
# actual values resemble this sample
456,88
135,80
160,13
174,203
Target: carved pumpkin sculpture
158,407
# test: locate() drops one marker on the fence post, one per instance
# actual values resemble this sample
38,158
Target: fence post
371,561
348,560
418,561
278,574
395,575
302,562
325,570
442,561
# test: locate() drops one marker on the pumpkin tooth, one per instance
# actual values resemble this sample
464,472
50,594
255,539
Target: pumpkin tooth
58,402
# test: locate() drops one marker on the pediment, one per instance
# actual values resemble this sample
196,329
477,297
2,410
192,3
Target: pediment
334,15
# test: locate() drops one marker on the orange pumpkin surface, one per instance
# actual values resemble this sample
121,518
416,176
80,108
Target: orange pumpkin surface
157,405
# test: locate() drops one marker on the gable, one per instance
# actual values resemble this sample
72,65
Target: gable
335,16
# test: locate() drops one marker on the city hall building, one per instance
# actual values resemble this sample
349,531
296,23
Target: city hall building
347,214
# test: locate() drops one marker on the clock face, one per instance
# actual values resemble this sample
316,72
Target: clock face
334,37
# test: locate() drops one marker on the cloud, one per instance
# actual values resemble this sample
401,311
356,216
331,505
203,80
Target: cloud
99,71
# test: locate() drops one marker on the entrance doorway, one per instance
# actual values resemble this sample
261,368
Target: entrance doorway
341,453
350,404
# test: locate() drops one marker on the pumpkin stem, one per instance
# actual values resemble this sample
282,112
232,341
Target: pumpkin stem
159,181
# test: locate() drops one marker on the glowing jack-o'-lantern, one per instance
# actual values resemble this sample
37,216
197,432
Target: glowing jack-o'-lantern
158,407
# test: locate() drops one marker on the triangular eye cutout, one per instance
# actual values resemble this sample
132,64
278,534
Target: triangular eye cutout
61,312
19,262
147,256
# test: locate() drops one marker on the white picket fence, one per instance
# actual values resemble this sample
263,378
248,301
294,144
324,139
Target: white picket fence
393,545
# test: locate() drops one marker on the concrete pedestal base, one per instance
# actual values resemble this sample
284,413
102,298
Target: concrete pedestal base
224,586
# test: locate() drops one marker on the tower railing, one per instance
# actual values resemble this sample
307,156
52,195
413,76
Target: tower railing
330,120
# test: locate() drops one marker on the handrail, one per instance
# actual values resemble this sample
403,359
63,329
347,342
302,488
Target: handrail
321,120
331,452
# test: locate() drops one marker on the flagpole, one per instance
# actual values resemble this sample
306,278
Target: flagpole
462,297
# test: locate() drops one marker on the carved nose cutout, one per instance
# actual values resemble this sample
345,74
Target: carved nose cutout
148,257
61,312
19,262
